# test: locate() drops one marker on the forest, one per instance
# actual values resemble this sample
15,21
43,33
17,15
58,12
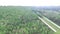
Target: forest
21,20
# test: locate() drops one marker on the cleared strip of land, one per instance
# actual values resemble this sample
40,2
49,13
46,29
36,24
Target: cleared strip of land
55,26
50,24
47,24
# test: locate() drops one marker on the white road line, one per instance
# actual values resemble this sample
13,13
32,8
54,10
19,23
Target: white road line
47,24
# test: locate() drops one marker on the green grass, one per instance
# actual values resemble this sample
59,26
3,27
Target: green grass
58,32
